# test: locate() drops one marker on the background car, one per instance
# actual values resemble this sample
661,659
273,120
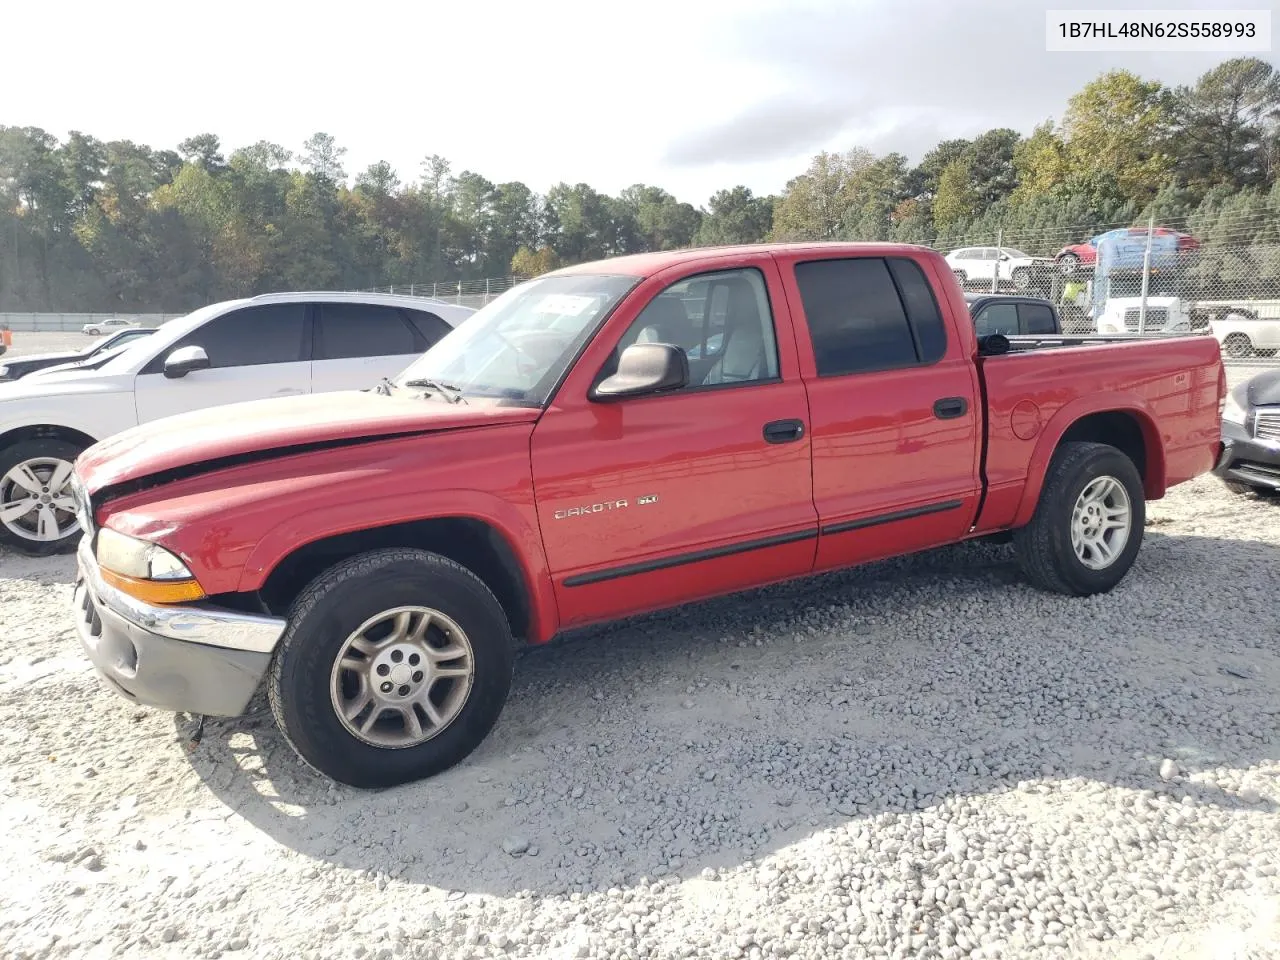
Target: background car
1080,256
1250,460
280,344
975,264
20,367
99,327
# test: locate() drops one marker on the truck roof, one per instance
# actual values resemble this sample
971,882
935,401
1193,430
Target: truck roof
647,264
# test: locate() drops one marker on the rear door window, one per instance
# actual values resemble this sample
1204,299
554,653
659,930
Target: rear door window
869,313
348,330
1036,318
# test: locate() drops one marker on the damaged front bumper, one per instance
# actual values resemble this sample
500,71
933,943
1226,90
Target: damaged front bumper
195,658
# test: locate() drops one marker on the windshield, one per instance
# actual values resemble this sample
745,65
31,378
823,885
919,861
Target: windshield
1016,253
519,346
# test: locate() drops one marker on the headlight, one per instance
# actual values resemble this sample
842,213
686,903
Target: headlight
1233,412
145,570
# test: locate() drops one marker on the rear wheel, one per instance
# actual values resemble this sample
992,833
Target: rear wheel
1088,525
1022,278
37,514
1237,345
395,666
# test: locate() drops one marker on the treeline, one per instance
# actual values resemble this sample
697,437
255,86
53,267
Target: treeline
92,225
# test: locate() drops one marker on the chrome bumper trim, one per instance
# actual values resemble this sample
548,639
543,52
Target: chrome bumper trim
189,622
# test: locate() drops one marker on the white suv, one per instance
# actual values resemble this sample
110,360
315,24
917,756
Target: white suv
971,264
270,346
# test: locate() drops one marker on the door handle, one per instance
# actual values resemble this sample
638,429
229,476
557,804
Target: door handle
783,431
948,408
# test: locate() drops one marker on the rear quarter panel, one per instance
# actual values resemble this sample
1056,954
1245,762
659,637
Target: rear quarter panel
1170,387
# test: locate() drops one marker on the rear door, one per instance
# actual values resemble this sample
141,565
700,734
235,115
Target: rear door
893,404
357,344
254,353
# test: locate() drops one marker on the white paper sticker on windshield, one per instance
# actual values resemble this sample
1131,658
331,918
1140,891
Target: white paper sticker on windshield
564,304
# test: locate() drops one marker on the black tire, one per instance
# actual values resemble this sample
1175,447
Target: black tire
330,609
1021,278
1237,345
1043,547
1068,264
21,452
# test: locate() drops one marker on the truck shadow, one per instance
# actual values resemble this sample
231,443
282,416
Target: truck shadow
722,732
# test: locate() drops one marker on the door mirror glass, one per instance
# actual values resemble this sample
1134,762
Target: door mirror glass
645,368
185,359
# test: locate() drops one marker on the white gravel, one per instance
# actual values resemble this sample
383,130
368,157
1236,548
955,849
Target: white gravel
923,758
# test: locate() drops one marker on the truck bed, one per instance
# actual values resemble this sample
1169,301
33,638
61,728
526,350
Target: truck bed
1150,393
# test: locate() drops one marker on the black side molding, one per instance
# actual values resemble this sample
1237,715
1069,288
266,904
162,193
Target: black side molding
715,553
847,525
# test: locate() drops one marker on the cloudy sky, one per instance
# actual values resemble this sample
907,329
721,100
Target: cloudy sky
691,95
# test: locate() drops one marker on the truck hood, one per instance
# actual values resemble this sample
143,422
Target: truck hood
262,429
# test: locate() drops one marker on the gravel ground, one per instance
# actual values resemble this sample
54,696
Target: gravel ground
921,758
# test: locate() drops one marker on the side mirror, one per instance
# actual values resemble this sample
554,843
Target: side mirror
645,368
185,359
1004,256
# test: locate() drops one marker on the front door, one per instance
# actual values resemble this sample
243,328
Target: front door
652,501
894,405
254,353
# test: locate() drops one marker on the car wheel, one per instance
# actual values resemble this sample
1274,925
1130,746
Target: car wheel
395,665
1021,278
91,331
37,514
1088,524
1237,345
1068,263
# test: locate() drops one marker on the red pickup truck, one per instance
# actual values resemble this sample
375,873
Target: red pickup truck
608,439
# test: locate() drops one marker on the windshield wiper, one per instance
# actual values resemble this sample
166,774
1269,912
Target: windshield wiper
447,390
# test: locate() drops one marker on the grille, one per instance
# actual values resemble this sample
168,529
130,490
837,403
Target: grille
1266,424
1157,317
89,613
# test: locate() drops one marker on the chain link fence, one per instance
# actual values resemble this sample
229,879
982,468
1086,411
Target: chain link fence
469,293
1150,280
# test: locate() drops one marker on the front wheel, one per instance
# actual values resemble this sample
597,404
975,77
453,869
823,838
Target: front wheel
1088,525
395,666
1068,263
37,513
1022,278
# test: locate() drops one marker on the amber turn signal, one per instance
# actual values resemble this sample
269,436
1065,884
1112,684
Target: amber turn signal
154,591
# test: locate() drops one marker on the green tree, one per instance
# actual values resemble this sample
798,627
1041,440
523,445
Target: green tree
323,157
814,204
735,216
1118,129
1225,124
